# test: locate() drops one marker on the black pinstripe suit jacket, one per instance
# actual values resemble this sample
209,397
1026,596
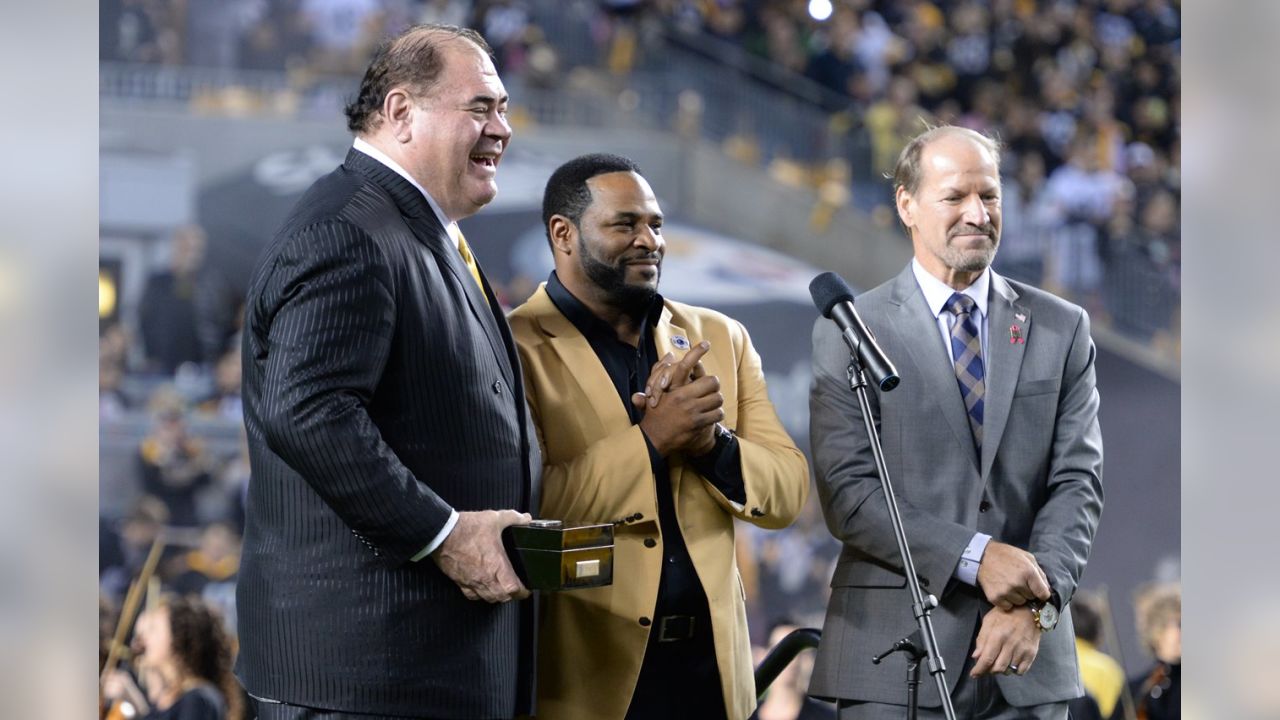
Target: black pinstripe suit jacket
381,388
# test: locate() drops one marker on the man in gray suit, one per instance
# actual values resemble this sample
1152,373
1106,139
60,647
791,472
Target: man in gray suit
993,445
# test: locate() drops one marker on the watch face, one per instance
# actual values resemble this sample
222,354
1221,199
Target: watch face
1048,616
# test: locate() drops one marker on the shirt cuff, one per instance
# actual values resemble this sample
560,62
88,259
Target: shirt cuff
722,467
967,570
439,538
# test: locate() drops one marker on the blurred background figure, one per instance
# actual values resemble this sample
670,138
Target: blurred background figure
173,464
183,663
1157,693
1102,676
123,545
168,312
786,698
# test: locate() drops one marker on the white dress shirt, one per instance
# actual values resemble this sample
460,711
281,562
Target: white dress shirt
936,294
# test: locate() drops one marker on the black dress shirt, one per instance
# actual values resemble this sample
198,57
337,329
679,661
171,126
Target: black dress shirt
629,366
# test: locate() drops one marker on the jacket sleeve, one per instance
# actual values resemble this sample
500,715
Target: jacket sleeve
329,317
774,470
1065,525
848,484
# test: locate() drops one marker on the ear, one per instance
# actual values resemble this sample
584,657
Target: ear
906,207
397,113
564,234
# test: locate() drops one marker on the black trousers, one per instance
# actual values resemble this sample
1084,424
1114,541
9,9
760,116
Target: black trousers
679,678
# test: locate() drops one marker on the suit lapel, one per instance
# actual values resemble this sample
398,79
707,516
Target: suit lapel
575,353
1004,363
424,224
915,320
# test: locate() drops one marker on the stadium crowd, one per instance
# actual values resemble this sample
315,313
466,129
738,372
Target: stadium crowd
1085,95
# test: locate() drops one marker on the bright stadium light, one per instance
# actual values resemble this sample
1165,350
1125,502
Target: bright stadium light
819,9
106,295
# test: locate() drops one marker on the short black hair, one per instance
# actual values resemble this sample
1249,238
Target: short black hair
411,58
567,193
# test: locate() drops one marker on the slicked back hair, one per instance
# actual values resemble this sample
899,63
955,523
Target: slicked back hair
567,193
414,58
907,173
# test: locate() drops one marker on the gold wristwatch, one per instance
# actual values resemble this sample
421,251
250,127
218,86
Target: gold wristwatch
1045,615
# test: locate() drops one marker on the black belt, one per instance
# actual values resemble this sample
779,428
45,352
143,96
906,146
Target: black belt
674,628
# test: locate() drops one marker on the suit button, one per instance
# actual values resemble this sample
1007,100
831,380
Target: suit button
637,516
650,542
644,622
497,387
984,506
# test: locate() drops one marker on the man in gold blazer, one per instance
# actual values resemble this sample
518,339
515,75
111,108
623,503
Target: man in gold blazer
652,415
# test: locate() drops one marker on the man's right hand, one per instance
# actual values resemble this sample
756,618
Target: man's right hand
1011,576
691,405
473,557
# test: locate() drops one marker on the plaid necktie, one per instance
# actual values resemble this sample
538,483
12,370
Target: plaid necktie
967,350
465,251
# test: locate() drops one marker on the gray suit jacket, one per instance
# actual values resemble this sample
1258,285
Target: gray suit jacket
1037,484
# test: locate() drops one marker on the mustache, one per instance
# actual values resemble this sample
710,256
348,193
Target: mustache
966,229
654,255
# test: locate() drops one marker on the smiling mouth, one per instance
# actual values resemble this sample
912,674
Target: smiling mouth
488,161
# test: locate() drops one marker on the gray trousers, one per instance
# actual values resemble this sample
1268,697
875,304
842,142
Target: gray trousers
972,699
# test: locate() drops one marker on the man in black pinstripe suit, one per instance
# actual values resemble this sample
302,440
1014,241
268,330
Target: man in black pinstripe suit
388,433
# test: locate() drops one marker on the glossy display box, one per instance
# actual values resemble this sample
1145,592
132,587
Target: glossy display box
553,555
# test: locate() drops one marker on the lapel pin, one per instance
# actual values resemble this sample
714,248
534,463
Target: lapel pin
1020,317
680,341
1015,335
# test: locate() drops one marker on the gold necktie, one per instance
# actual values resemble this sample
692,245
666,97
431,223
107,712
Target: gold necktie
465,250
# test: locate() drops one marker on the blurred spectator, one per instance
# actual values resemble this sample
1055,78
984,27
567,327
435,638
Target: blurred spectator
123,546
113,404
214,29
225,403
184,664
345,33
167,316
279,39
786,698
1102,676
215,561
444,12
174,465
1157,692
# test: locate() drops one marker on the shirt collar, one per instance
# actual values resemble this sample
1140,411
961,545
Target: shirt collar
937,293
585,320
368,149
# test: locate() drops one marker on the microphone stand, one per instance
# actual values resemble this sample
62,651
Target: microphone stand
920,603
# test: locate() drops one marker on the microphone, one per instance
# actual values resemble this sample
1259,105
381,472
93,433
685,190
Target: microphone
834,299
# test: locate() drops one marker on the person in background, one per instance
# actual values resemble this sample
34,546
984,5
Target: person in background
183,656
1157,692
1102,676
786,698
168,319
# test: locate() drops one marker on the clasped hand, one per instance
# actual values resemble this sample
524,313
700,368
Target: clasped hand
681,404
1010,576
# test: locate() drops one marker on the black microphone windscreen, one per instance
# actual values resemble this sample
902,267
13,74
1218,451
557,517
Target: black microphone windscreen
828,289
